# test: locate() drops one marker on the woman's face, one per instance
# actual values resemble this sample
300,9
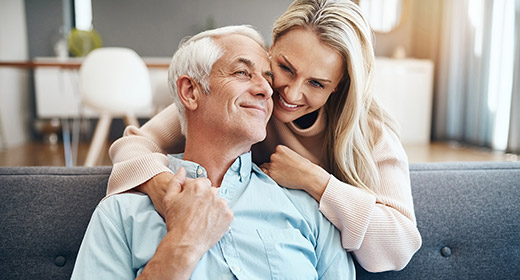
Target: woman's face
306,72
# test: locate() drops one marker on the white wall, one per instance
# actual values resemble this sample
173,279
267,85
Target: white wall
14,105
155,28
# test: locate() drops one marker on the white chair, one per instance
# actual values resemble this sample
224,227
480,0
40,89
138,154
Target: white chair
2,139
114,82
161,96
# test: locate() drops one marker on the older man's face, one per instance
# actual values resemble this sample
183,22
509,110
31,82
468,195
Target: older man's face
240,102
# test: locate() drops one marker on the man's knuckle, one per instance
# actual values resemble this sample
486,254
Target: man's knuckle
221,203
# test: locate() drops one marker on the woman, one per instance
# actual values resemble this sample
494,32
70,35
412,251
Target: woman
328,135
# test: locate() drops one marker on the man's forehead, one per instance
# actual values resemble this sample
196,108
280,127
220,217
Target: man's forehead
241,54
251,62
239,43
241,49
235,37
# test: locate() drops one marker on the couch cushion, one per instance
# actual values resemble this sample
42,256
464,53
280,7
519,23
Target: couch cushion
469,218
44,215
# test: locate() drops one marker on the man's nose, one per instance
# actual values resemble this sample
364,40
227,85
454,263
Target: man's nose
263,88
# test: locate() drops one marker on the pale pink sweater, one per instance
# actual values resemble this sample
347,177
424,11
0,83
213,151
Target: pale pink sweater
379,230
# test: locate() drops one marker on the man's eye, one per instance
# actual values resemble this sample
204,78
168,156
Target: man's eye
242,73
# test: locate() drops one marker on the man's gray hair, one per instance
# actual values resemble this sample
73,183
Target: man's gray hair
195,58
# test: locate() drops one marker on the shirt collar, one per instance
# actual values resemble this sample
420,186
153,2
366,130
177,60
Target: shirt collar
241,166
193,170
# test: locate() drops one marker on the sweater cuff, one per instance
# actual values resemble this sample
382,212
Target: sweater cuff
350,209
129,174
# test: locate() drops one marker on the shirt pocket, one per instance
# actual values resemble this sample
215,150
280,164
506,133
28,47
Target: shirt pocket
289,254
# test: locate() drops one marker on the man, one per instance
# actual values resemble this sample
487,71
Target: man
222,80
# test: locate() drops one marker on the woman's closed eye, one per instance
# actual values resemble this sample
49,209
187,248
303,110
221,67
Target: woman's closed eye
285,68
316,84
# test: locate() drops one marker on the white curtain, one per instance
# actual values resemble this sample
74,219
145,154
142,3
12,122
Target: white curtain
514,127
477,69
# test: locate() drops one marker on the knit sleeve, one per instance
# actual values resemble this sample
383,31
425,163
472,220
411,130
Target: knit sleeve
380,229
141,153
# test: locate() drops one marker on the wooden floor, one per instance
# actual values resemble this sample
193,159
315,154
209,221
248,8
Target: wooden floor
45,154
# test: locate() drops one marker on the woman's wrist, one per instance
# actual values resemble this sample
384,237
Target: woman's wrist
152,183
155,188
318,182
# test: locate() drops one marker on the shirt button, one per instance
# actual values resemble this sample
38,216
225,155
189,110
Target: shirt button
199,171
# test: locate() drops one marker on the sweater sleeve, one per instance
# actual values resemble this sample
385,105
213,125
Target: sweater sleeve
141,153
380,229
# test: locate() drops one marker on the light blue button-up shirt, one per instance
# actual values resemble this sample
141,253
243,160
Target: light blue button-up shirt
276,233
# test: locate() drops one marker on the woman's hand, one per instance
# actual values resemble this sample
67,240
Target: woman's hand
156,188
293,171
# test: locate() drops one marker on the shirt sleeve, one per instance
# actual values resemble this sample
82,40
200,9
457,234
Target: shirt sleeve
104,252
333,261
141,153
379,229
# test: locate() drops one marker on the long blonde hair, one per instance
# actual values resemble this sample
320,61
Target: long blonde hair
354,118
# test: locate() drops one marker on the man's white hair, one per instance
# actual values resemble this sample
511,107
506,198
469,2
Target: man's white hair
195,58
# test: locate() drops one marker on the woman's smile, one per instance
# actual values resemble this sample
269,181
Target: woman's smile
286,105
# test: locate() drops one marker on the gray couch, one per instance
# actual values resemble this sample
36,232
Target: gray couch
468,214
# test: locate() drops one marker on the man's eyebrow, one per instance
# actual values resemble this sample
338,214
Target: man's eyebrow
249,63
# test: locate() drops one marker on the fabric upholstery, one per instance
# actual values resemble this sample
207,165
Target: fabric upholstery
468,215
43,215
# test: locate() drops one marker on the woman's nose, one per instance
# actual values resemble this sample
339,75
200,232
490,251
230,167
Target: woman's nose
292,92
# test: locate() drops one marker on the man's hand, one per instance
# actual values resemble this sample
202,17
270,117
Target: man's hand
196,218
196,212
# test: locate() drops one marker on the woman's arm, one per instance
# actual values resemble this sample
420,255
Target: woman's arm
140,154
380,230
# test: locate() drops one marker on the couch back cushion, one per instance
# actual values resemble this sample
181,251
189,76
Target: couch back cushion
469,218
44,214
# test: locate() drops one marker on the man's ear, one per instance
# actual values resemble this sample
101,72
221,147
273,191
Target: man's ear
188,91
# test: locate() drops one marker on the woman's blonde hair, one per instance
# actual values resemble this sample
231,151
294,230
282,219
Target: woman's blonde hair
354,118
